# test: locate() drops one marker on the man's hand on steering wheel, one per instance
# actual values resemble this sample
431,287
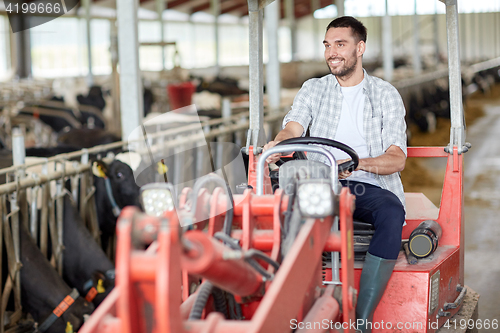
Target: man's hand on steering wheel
344,174
345,167
274,157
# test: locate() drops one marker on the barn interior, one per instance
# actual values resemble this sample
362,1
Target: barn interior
179,89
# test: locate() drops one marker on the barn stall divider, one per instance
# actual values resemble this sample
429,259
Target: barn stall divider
30,200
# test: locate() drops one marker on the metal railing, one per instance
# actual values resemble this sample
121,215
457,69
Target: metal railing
416,83
13,91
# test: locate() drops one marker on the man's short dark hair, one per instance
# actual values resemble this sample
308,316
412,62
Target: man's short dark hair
358,29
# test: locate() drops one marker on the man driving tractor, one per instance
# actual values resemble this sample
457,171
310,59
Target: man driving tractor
367,114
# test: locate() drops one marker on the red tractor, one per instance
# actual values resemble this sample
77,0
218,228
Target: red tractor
285,261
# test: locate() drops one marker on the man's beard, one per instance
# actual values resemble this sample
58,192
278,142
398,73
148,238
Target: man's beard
346,70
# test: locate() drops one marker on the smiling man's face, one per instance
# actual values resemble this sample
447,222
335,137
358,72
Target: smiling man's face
341,51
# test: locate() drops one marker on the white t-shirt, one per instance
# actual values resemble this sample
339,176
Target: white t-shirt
350,130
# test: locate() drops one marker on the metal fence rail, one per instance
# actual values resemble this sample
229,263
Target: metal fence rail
416,83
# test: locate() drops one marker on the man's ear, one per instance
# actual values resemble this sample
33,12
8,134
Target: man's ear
360,49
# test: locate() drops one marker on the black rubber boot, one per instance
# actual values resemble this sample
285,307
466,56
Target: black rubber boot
374,278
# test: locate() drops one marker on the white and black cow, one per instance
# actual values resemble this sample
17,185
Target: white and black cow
115,189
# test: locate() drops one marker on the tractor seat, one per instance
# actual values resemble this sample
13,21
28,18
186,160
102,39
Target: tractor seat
363,233
362,228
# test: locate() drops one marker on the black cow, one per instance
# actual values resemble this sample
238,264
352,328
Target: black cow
93,98
482,81
148,100
59,116
57,119
85,265
123,192
42,289
418,114
495,73
5,162
442,105
50,151
221,86
76,139
87,137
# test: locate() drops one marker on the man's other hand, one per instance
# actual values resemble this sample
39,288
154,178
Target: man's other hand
274,157
344,174
291,130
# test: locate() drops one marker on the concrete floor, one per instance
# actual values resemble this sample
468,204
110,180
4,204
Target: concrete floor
482,212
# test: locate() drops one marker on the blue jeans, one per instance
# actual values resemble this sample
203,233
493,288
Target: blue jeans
384,211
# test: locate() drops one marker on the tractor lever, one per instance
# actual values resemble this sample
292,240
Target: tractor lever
458,301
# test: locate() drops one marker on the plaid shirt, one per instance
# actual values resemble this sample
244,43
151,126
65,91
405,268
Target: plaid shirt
318,105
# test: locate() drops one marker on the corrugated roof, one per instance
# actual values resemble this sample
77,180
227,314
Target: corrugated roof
234,7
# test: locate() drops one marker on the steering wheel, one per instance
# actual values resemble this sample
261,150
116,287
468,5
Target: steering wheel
346,166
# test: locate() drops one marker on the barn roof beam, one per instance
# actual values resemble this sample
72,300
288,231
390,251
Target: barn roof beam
201,7
224,4
176,3
241,6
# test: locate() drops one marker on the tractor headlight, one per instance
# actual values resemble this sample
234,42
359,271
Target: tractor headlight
157,198
315,199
